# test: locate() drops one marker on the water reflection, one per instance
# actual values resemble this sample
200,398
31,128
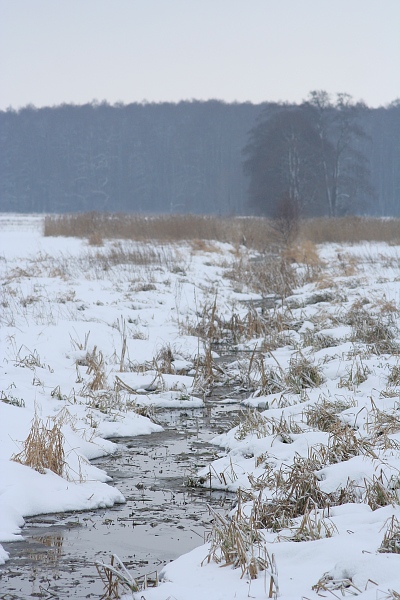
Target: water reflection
54,545
161,519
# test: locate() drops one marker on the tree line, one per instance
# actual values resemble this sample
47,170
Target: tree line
305,160
325,156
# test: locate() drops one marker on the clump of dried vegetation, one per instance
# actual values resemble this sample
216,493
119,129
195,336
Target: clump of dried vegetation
238,541
356,374
376,331
380,491
43,448
302,373
253,422
391,539
324,414
330,584
311,526
117,580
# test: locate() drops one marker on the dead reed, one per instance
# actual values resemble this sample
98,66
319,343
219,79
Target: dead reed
43,448
238,541
379,492
324,414
115,576
312,526
376,331
96,368
391,539
255,232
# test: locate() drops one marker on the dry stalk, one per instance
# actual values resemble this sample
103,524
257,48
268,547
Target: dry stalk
163,361
114,576
394,376
302,373
323,415
376,332
95,367
344,444
382,423
252,422
378,493
356,374
327,583
312,527
237,541
43,448
391,539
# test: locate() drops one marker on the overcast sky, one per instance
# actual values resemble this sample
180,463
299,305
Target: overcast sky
55,51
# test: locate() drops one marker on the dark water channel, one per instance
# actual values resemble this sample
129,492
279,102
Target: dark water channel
161,519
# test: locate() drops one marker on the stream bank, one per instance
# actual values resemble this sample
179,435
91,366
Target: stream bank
161,519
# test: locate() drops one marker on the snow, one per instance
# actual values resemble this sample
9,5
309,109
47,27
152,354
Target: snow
66,307
61,300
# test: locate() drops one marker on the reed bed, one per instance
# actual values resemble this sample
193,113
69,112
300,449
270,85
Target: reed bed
256,232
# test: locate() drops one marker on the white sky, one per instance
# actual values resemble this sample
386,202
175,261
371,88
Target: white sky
55,51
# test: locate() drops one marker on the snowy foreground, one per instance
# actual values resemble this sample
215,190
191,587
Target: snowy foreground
91,336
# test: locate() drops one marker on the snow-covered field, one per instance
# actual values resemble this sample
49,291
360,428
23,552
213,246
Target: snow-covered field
78,325
91,336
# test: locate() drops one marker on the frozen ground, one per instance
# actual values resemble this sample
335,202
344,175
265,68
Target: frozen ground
78,325
91,337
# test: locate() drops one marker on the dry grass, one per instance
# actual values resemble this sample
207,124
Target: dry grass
329,584
8,398
304,252
380,493
251,422
271,274
119,254
344,443
238,541
295,494
382,423
295,490
312,526
376,331
323,415
302,374
356,374
116,579
394,376
391,539
319,341
96,368
350,229
392,595
164,360
251,231
221,331
43,448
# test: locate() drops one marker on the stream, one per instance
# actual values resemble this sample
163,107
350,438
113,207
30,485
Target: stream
161,520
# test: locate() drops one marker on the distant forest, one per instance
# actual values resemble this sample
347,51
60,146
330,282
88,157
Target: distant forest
201,158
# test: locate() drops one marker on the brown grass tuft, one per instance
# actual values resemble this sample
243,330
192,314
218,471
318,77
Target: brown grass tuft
43,448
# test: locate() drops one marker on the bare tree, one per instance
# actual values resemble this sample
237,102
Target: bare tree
337,129
283,163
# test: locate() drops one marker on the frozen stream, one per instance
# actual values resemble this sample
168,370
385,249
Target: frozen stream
161,519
